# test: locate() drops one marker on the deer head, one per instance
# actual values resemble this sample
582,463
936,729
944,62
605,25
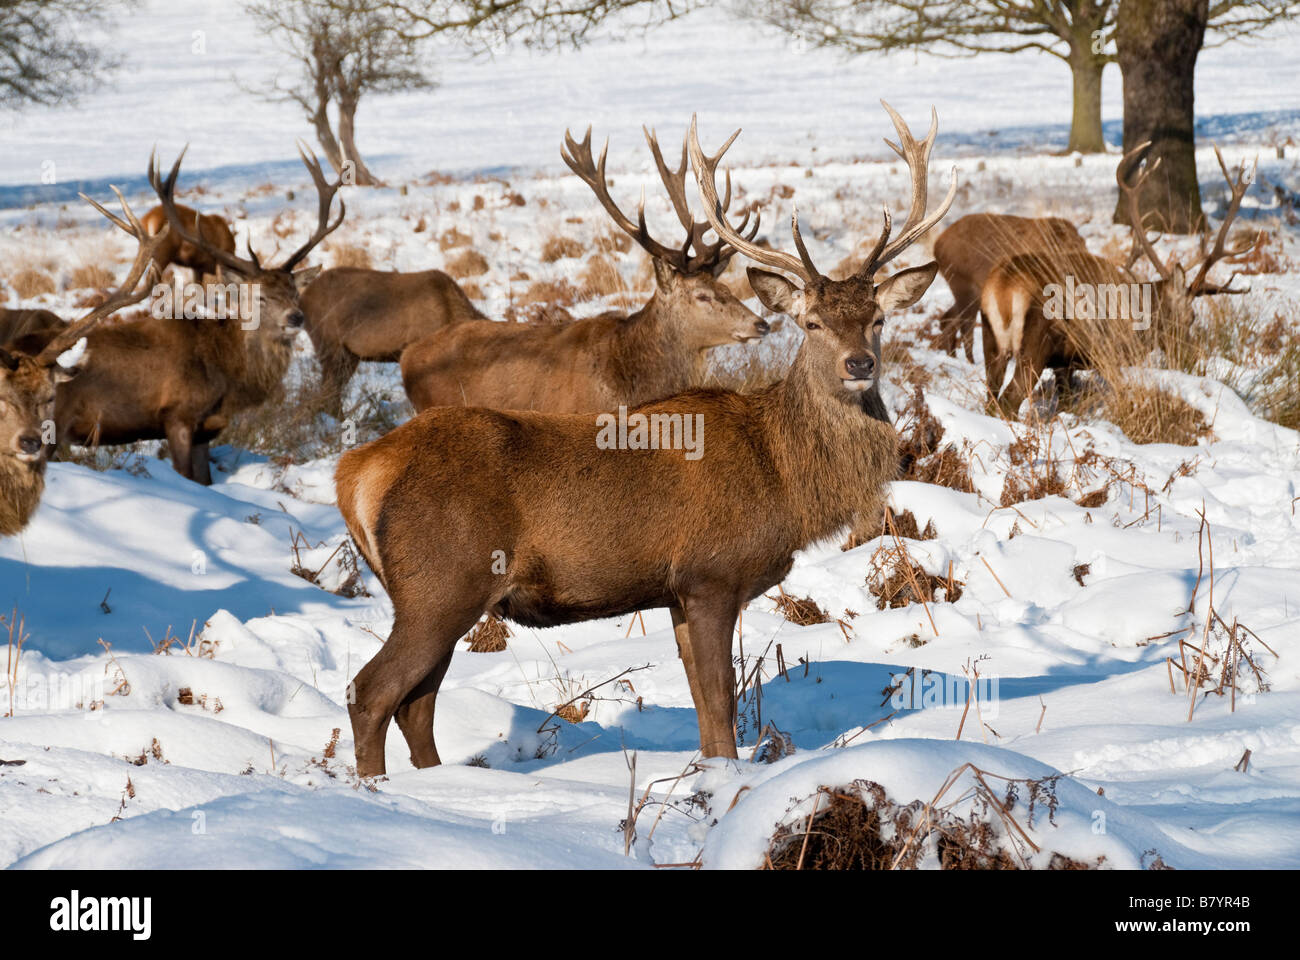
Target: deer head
276,288
842,320
702,309
1174,292
27,383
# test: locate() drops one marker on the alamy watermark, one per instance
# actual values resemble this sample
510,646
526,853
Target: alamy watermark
652,431
212,301
1074,300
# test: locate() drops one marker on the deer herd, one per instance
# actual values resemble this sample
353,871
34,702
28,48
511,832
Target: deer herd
495,498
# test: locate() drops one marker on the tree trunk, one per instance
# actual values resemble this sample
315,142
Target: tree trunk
362,177
320,121
1157,42
1085,126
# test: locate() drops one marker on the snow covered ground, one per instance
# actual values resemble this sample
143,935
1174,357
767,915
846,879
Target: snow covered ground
230,746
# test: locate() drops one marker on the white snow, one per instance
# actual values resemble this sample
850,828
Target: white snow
190,589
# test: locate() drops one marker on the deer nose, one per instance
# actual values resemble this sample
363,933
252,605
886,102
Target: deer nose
29,444
296,319
761,327
860,368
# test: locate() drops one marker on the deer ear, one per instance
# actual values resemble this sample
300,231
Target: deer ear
8,359
665,275
905,287
774,291
303,277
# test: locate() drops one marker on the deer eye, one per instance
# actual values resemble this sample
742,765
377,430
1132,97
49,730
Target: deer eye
812,325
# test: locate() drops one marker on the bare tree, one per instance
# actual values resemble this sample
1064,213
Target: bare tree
1079,32
484,24
341,51
45,57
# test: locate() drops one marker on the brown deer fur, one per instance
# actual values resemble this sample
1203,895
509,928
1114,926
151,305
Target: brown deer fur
29,381
26,409
591,364
587,532
1012,303
181,379
176,249
28,331
354,314
597,363
968,249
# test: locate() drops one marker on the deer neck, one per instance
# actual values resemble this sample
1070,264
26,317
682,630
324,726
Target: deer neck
21,486
262,366
649,358
832,452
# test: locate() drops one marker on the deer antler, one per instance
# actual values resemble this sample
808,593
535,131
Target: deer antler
917,157
126,294
1201,286
1131,189
325,194
706,172
707,256
166,190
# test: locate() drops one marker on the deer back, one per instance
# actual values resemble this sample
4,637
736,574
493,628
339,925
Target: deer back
376,314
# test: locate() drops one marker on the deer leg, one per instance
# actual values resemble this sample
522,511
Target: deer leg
180,440
949,330
200,469
415,717
413,653
1029,368
710,625
337,366
967,334
995,363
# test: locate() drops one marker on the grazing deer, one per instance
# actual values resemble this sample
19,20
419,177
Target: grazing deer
600,362
354,314
463,510
181,378
213,229
972,246
1021,303
28,383
28,331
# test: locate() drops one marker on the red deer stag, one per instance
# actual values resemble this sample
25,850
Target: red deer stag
1056,309
584,531
597,363
354,314
28,382
181,378
971,247
213,229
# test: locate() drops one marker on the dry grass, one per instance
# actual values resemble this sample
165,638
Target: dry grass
467,263
560,293
1131,397
600,278
1148,414
452,238
557,247
858,827
489,635
923,456
32,282
350,255
89,276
